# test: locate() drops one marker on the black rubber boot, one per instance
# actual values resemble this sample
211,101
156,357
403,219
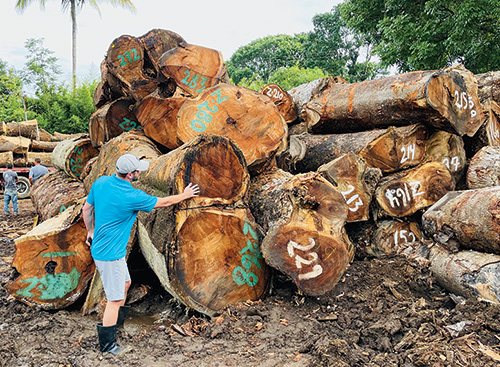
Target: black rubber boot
107,340
122,313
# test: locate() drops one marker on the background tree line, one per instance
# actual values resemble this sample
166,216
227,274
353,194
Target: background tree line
358,40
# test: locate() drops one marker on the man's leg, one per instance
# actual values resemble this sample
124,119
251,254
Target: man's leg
14,203
110,316
6,199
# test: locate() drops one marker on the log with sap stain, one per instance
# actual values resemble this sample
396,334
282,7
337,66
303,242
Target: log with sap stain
125,60
470,274
111,120
404,193
52,263
356,182
484,168
205,250
55,192
158,118
282,100
303,217
194,68
158,41
438,98
389,149
72,155
448,149
132,142
466,219
250,119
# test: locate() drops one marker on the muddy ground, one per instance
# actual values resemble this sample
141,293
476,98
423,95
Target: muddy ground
384,312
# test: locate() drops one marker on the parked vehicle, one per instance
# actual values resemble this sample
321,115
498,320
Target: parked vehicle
23,184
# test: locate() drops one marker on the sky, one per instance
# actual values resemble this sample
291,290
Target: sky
224,25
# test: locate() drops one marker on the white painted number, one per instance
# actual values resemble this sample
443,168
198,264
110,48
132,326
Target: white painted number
401,234
405,193
408,153
455,163
356,197
462,101
299,260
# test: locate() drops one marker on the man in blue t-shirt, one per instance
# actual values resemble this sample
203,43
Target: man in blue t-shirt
10,190
109,213
37,171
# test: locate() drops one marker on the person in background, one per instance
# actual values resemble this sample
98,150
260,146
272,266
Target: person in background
37,171
10,190
109,213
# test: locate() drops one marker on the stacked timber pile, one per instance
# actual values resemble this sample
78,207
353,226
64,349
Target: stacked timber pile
296,182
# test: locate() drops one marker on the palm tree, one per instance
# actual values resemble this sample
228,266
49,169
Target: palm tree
72,5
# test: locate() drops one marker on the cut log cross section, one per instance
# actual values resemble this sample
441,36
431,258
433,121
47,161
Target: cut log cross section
72,155
282,100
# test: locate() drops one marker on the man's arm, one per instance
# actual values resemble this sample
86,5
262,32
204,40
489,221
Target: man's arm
190,191
88,219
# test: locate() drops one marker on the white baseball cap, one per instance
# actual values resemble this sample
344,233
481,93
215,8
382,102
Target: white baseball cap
129,163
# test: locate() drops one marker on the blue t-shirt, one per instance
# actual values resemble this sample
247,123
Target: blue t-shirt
9,178
37,171
116,204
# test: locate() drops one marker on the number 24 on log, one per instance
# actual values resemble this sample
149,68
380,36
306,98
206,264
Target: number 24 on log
240,273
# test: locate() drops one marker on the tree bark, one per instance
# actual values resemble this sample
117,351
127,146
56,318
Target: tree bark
206,250
466,219
6,158
489,86
158,117
60,136
55,192
484,168
389,149
111,120
15,144
194,68
245,116
282,100
132,142
52,263
404,193
71,155
448,149
125,60
356,182
489,132
304,218
46,146
469,274
440,99
45,158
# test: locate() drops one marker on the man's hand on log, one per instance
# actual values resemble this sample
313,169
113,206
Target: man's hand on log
191,190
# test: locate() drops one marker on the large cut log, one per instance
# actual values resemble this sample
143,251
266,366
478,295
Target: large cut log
125,60
52,263
448,149
469,274
6,158
484,168
247,117
158,118
55,192
40,145
356,182
205,251
44,135
387,237
72,155
194,68
389,149
109,89
45,158
466,219
158,41
111,120
15,144
404,193
282,100
488,85
132,142
304,217
61,136
28,129
439,98
489,132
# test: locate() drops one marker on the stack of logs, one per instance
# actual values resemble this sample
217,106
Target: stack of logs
294,181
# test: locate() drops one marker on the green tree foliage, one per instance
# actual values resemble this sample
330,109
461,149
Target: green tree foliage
422,35
288,78
41,68
72,5
11,100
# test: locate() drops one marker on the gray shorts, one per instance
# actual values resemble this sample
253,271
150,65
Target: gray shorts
113,274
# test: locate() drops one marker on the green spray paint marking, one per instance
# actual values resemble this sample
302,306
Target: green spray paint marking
52,286
59,254
240,274
63,208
